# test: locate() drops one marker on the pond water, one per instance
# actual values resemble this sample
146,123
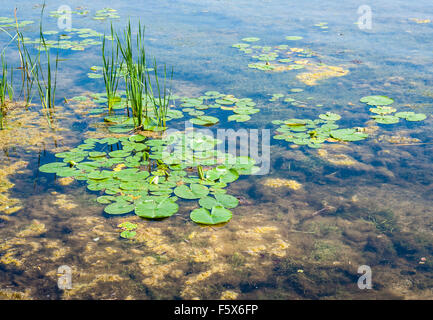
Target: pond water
330,202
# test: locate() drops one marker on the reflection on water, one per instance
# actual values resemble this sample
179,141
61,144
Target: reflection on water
302,231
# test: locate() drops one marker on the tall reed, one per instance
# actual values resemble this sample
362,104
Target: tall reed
139,88
46,77
136,76
111,69
6,88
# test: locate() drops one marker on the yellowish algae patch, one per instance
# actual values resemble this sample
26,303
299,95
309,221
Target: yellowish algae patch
337,159
6,294
417,20
35,229
66,181
9,205
320,72
63,202
28,129
229,295
278,183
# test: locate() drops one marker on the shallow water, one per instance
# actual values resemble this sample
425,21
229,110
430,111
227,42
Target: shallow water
358,203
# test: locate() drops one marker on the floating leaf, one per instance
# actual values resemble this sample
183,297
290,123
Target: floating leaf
385,119
251,39
128,234
348,135
204,120
383,110
329,116
52,167
119,207
217,215
225,200
152,209
377,100
239,117
195,191
411,116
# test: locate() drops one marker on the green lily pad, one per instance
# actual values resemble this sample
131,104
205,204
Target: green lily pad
204,120
152,209
411,116
225,200
52,167
386,119
329,116
251,39
119,207
217,215
194,191
239,117
294,38
377,100
128,234
348,135
383,110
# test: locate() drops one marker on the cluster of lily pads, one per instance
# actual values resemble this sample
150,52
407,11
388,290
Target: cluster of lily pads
6,22
148,176
285,57
196,108
64,12
385,114
106,13
313,133
63,39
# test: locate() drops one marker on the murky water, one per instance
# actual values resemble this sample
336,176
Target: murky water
302,230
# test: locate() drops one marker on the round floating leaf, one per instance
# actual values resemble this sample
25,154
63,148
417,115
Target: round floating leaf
218,215
329,116
100,175
119,154
127,226
251,39
239,117
152,209
294,38
119,207
383,110
225,200
348,135
384,119
195,191
52,167
128,234
97,154
105,199
411,116
377,100
204,120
